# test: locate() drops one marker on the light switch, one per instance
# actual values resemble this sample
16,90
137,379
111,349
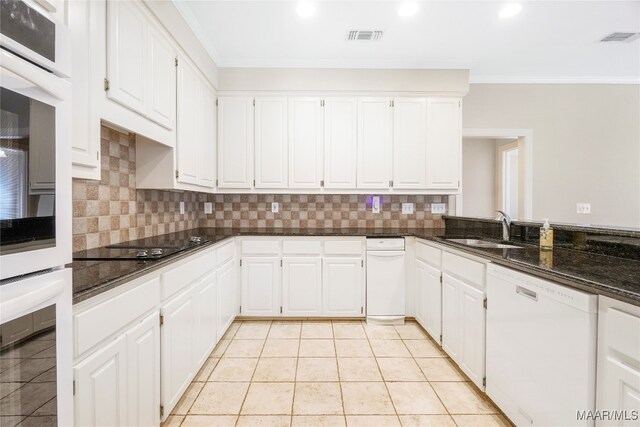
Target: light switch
208,207
275,207
375,204
181,208
407,208
438,208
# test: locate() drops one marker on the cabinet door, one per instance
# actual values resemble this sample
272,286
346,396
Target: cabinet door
187,138
161,105
260,286
207,126
227,296
305,142
235,141
271,142
409,143
101,387
432,301
143,372
451,316
302,286
375,136
177,349
42,174
340,142
421,292
205,304
618,383
85,132
127,54
472,333
342,287
444,142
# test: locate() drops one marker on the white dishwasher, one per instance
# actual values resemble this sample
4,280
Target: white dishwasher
385,280
541,349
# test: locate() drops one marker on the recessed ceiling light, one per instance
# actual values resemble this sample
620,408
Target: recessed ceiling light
409,8
510,10
305,9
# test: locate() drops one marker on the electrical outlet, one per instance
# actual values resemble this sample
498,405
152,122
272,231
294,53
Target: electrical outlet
438,208
407,208
275,207
208,207
583,208
181,208
375,204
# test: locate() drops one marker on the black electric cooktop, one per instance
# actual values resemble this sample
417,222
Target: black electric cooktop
150,248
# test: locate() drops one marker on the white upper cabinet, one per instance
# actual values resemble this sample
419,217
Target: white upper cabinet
187,150
271,142
140,63
340,142
161,105
235,142
305,142
444,141
409,143
127,30
375,138
207,126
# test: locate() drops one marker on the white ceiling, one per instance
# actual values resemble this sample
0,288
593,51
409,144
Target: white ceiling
549,41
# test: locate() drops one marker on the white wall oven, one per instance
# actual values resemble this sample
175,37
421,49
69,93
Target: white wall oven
35,125
36,376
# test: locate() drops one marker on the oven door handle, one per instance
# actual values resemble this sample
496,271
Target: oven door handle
14,307
27,79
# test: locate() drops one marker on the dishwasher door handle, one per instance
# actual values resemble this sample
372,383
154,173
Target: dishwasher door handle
385,253
527,293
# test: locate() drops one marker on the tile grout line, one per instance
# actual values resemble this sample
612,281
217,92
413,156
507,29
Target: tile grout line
253,373
335,348
199,392
295,375
384,381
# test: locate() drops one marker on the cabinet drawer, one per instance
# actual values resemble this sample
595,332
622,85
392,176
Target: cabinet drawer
429,254
180,277
343,247
99,322
225,252
302,247
623,333
464,268
261,247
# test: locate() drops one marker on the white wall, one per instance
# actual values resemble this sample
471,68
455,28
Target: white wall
328,79
586,145
479,177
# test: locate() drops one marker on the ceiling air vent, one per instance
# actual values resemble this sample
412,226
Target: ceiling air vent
621,37
366,35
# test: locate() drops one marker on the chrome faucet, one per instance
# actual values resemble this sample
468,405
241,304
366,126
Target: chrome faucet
506,225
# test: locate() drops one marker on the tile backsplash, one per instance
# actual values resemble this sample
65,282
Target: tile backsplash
112,210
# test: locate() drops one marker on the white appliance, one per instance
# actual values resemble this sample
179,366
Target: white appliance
385,280
35,142
541,349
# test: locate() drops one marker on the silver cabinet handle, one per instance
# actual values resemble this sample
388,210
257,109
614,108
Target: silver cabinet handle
527,293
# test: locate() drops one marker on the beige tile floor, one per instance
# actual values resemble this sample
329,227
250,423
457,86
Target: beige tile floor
331,373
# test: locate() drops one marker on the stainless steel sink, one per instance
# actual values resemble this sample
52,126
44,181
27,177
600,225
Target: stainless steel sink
484,244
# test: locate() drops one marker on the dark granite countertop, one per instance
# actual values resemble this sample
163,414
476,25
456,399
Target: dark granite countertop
618,278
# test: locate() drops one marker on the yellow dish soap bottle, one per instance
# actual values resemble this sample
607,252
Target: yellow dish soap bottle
546,236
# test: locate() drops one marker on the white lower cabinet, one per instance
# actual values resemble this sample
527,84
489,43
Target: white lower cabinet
143,372
227,297
343,286
618,377
260,286
205,302
101,387
302,286
177,348
464,314
429,298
